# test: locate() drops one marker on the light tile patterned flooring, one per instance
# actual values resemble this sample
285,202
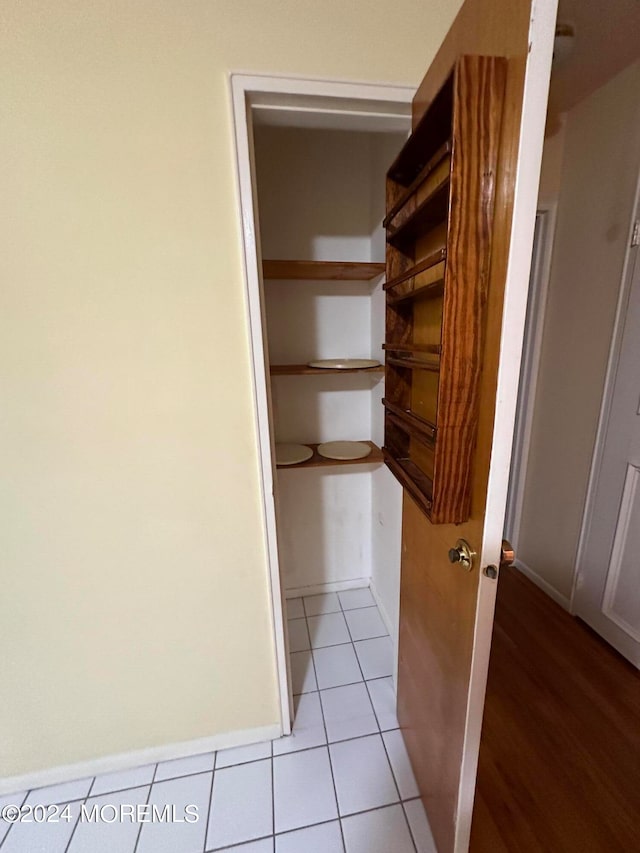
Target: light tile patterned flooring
341,783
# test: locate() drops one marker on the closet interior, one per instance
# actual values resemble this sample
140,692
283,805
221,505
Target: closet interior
320,183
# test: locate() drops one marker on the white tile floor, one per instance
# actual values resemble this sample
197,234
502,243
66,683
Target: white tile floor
341,783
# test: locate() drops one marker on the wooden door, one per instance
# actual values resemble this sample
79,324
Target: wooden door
607,593
446,612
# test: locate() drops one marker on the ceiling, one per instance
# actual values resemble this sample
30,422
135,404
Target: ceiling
607,39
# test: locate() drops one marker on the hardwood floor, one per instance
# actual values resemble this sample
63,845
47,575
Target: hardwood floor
559,767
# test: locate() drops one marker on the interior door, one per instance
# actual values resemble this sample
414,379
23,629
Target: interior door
446,612
608,592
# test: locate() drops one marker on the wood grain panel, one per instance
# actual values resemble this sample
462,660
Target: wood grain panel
437,609
321,270
432,242
458,196
436,638
479,85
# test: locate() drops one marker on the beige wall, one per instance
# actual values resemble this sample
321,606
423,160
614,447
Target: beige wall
599,172
134,607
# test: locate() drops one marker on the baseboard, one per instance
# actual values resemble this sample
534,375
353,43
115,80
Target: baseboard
383,613
551,591
128,760
332,586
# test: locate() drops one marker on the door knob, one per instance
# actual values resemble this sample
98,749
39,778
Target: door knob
507,554
462,554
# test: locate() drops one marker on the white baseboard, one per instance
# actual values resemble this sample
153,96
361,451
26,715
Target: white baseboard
544,585
128,760
383,613
388,624
332,586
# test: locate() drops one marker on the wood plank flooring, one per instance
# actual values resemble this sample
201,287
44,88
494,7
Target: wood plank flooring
559,767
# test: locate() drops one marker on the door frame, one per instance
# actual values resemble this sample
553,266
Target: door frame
531,352
632,257
277,91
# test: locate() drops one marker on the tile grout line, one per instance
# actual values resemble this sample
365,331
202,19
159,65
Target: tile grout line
377,677
306,826
75,826
139,835
273,797
355,651
340,609
334,645
406,817
295,751
326,736
22,802
209,813
119,790
384,745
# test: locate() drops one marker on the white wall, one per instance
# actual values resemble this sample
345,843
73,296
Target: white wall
599,171
314,193
552,160
324,526
135,606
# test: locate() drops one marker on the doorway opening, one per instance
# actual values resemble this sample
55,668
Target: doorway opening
580,300
312,158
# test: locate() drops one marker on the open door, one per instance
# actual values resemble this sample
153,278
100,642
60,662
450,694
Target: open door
461,204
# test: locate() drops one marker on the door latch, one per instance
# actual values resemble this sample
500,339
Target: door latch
507,556
462,554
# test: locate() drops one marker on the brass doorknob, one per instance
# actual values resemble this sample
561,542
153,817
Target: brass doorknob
462,554
507,554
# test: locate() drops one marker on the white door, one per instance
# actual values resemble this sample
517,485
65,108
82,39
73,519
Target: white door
607,593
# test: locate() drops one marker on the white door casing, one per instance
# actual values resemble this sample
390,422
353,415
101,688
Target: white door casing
531,350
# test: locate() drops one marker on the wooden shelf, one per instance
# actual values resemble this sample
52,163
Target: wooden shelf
305,370
435,161
432,290
415,363
322,270
434,349
412,423
317,461
419,486
423,265
430,212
